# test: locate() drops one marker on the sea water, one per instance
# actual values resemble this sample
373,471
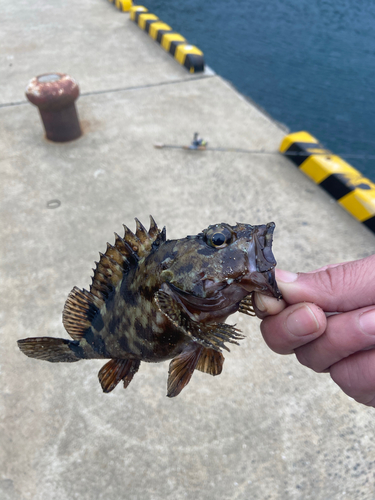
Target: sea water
309,64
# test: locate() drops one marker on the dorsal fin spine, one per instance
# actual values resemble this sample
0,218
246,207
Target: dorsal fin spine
115,255
118,259
127,249
141,233
97,294
101,286
154,230
131,238
110,265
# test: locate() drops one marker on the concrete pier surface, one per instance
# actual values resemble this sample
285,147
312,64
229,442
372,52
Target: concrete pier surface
267,427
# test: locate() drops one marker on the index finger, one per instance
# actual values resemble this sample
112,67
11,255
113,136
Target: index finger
265,306
339,288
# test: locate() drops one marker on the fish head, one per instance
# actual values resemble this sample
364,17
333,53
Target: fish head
242,255
213,271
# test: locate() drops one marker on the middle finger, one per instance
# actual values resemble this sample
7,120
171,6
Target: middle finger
346,334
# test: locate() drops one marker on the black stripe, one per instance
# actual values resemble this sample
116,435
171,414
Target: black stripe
96,342
173,46
370,223
92,311
195,61
98,322
76,348
148,22
161,33
301,147
123,342
336,185
138,13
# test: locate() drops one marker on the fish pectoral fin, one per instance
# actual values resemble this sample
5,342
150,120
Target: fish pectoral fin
214,335
181,368
208,335
246,305
168,306
115,370
210,361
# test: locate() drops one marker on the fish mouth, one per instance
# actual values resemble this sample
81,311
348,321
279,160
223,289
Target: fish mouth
261,263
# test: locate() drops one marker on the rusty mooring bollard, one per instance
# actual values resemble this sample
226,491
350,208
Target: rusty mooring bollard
54,94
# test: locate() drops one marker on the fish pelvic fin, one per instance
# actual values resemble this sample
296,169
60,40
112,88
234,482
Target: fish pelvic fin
246,305
115,263
210,361
181,369
50,349
116,370
210,335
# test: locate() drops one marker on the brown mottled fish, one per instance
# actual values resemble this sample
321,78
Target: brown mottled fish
152,300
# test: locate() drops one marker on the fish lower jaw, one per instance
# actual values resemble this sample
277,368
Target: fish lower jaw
260,282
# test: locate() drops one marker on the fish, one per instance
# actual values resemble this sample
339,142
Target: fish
153,299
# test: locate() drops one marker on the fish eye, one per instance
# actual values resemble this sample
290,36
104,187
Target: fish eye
219,237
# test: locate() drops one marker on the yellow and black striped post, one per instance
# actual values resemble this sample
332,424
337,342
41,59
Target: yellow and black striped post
342,181
123,5
186,54
136,11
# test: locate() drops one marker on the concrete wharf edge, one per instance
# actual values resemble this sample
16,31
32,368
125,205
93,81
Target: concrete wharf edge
266,427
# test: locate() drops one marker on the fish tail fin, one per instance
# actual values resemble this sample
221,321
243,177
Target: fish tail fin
50,349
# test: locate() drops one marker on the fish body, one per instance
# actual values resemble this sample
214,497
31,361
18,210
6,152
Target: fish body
153,299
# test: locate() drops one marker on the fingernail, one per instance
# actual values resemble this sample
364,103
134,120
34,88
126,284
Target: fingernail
302,322
367,322
286,276
259,303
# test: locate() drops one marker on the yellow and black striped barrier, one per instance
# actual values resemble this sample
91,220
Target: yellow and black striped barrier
187,55
123,5
351,190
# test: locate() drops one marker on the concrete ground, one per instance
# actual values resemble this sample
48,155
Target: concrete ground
266,428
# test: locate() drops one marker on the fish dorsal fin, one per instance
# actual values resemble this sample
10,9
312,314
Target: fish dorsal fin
123,255
82,306
79,311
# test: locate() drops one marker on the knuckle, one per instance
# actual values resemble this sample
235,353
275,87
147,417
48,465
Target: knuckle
345,277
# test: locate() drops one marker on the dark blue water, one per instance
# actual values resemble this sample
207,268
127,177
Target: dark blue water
309,64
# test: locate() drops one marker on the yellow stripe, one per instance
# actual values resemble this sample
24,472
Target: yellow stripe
135,9
296,137
319,167
171,37
145,17
155,27
360,203
124,5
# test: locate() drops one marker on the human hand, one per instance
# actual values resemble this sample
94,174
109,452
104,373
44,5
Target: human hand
342,344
